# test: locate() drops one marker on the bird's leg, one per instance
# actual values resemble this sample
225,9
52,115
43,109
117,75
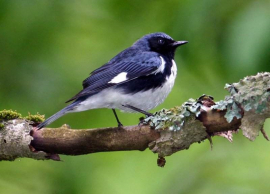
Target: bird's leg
138,110
119,123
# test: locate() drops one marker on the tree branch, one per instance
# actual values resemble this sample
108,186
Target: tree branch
165,133
76,142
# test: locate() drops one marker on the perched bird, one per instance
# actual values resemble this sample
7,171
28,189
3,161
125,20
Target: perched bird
136,80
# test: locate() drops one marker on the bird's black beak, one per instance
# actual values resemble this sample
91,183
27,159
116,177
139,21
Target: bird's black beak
178,43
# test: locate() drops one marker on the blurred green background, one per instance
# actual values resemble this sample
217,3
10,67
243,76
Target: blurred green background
48,47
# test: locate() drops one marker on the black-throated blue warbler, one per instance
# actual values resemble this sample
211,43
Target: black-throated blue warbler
136,80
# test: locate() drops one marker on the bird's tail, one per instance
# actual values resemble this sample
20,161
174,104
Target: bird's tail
57,115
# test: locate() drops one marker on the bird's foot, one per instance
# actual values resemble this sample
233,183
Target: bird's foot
120,125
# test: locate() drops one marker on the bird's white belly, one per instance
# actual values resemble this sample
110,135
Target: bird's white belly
144,100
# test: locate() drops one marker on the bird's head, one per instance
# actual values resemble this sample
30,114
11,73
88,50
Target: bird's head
159,42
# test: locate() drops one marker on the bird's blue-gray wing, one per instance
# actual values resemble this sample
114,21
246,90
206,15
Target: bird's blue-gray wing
131,67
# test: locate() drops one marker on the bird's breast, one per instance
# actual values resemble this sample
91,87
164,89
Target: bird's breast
150,92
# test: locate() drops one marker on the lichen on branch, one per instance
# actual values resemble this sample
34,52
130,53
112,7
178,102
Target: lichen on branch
246,108
166,132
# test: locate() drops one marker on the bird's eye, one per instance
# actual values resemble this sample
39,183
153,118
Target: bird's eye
161,41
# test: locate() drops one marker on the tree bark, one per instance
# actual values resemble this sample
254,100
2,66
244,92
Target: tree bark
80,141
165,133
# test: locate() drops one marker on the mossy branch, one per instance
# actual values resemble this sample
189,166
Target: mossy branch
165,133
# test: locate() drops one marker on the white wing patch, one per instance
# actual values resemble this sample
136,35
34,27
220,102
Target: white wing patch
119,78
161,67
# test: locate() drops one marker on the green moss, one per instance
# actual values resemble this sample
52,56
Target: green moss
6,115
9,115
35,118
1,126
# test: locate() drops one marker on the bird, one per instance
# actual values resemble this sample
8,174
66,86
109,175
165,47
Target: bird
137,79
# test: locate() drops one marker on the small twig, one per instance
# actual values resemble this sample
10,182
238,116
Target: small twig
264,134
